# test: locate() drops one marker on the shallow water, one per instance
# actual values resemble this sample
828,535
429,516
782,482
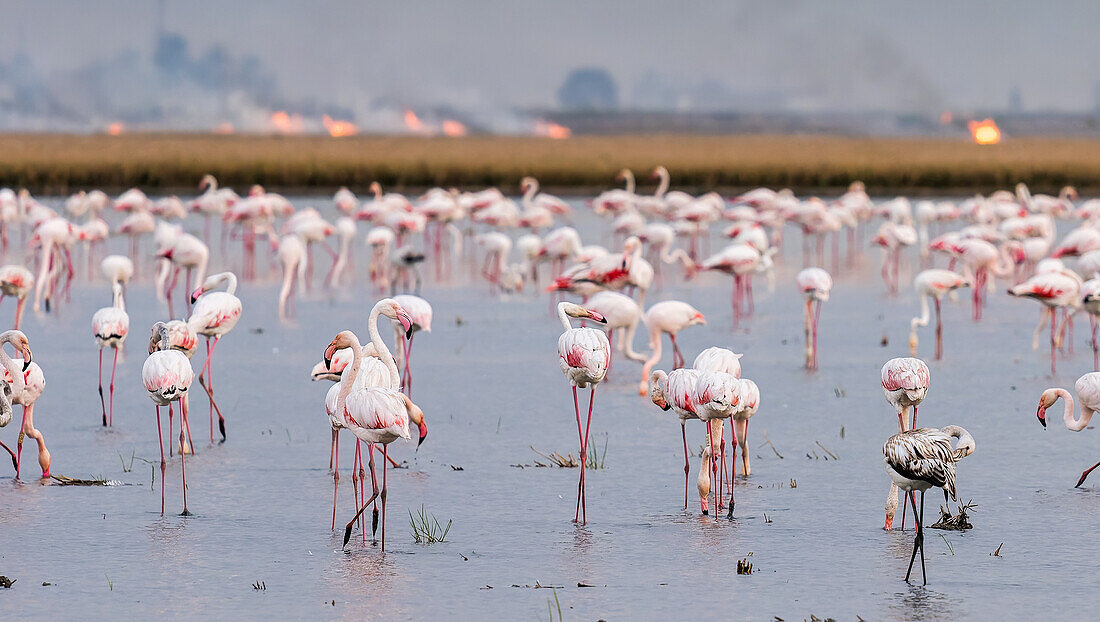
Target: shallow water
488,379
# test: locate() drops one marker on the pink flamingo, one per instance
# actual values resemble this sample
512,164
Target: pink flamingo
739,261
110,325
905,384
935,284
815,284
675,391
167,375
669,316
583,354
1090,300
292,255
185,252
27,383
893,237
214,315
1088,391
981,261
621,313
16,281
1054,290
374,415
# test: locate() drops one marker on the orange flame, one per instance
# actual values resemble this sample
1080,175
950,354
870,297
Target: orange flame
413,122
286,123
116,127
985,132
453,128
337,128
549,129
225,127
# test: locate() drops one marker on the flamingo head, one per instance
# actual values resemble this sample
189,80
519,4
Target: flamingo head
23,347
1046,400
391,309
343,339
656,392
416,415
577,311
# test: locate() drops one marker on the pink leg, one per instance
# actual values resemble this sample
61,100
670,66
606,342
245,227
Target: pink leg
162,464
356,465
939,331
385,456
584,456
170,444
114,365
183,457
687,467
1095,351
677,357
580,438
334,464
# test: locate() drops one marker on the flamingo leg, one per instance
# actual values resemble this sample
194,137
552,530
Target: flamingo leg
1053,341
183,458
584,456
918,541
114,366
1095,351
102,405
817,316
170,444
687,467
334,464
356,466
385,489
677,357
1083,475
162,464
733,483
939,330
580,438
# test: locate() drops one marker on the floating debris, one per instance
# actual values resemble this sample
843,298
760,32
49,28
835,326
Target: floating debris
794,483
744,566
6,583
769,443
958,522
766,519
256,331
831,454
260,586
885,341
564,462
579,584
70,481
997,553
456,468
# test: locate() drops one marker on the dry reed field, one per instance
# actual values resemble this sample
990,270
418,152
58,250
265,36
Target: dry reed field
175,162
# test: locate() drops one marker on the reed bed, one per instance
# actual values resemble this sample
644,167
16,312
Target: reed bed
175,162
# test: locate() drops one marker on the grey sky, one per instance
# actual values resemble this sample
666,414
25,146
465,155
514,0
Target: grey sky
796,55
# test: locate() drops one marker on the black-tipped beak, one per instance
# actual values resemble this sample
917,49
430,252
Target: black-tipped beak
1041,414
26,364
408,333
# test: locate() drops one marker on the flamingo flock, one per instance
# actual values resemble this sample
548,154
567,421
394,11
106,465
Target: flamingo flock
599,281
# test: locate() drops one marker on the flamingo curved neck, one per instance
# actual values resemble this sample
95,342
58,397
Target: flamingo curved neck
347,378
380,346
1072,422
19,382
529,195
662,187
119,302
628,177
563,317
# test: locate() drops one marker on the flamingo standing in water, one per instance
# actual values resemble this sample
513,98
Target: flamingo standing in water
715,396
674,391
620,313
905,384
917,460
370,366
27,384
185,251
292,254
893,237
110,325
1054,290
583,354
374,415
726,361
167,376
935,284
669,316
421,314
16,281
815,284
1088,392
981,262
739,261
214,315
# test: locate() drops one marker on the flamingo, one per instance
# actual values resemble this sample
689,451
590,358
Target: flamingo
669,316
620,312
185,251
674,391
1054,290
893,237
381,240
719,359
117,268
292,254
345,201
54,235
370,366
614,201
214,315
739,261
1090,301
917,460
982,261
905,384
375,415
934,283
1088,392
167,376
27,383
715,396
213,204
750,403
346,230
497,247
110,325
16,281
420,311
815,284
583,354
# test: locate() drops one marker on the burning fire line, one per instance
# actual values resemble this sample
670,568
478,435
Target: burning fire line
985,132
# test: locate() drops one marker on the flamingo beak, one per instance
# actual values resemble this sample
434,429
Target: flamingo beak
406,323
329,352
1041,414
27,358
597,317
423,434
195,294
